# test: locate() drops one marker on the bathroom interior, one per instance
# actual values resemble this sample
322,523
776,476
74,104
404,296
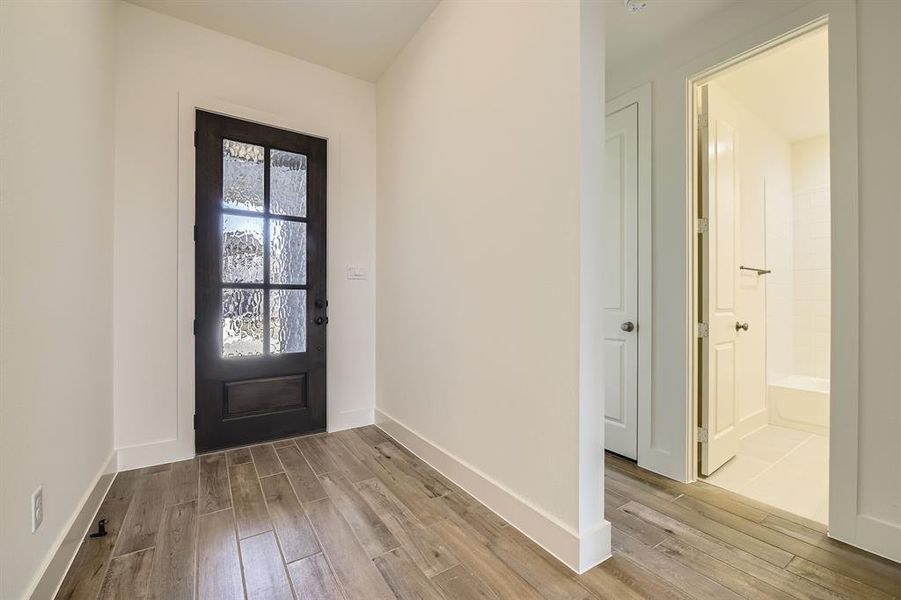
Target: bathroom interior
777,103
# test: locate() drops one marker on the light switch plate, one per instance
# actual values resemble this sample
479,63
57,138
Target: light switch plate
356,273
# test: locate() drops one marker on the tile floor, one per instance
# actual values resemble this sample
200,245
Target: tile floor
782,467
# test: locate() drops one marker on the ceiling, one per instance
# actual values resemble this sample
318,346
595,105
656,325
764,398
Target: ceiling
787,87
362,37
636,34
356,37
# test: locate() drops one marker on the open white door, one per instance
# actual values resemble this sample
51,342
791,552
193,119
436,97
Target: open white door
620,237
719,435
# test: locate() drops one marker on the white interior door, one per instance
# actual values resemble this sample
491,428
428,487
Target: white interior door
719,285
621,271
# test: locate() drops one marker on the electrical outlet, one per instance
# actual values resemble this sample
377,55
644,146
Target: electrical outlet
37,508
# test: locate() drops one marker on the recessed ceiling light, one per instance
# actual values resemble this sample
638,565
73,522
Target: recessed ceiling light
634,6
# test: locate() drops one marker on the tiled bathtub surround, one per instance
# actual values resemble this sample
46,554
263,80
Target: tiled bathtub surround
798,251
811,242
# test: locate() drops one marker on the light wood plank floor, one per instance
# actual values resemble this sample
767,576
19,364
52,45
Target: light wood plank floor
354,515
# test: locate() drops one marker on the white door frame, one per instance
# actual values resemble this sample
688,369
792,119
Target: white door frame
642,96
845,519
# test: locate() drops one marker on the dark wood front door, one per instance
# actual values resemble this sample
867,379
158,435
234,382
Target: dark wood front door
260,282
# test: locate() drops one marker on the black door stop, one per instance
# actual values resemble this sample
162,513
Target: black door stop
101,529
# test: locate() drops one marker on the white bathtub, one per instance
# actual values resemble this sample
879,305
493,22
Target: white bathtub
800,402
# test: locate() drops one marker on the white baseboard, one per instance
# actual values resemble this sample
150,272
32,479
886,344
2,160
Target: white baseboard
348,419
155,453
594,547
57,562
166,451
579,553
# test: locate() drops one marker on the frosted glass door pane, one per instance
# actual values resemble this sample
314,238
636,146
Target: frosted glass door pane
242,249
242,322
288,252
242,175
288,321
288,183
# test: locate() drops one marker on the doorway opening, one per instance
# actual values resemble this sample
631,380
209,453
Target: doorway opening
763,275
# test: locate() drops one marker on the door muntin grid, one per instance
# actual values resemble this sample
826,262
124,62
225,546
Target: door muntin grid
263,251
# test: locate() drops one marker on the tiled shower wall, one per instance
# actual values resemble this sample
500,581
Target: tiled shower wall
811,256
780,283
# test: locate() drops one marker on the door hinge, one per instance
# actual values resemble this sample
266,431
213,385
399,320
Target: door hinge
195,233
195,138
195,421
702,225
703,121
195,327
703,330
702,435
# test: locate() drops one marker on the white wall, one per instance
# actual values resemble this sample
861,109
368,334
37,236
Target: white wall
56,410
484,122
166,67
878,492
869,418
812,249
764,179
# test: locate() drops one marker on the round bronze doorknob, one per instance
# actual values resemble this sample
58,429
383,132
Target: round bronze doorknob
741,326
628,326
